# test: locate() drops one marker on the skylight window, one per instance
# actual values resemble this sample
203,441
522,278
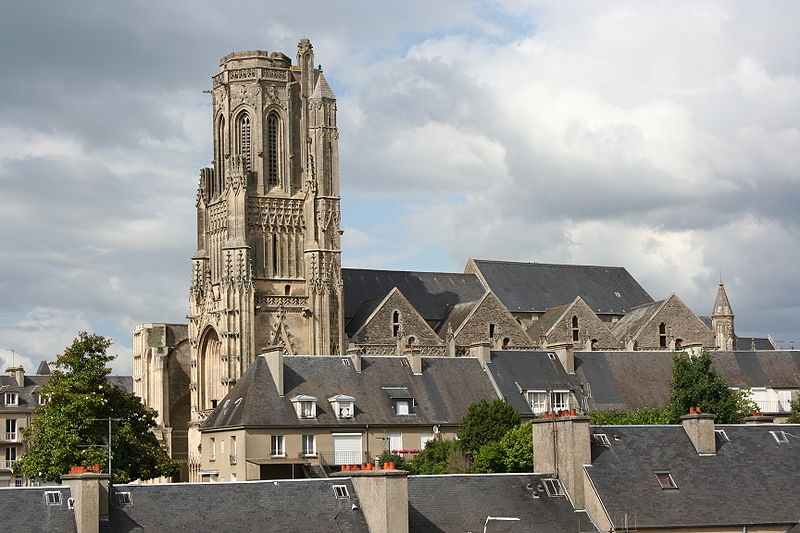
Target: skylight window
665,480
553,487
124,498
722,435
601,439
52,497
340,491
780,437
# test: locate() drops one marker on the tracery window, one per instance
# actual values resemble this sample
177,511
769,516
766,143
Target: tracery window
272,149
219,157
243,139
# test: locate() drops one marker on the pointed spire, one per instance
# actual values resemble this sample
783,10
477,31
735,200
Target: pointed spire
323,90
722,306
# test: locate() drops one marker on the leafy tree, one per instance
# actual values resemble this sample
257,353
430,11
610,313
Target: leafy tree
512,453
696,384
647,416
794,416
439,457
486,422
65,432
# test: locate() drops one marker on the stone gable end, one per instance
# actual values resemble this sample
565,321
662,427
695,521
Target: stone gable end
589,325
378,330
491,311
681,324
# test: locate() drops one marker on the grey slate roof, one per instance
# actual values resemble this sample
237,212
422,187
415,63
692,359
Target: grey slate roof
752,479
762,368
442,392
33,384
286,505
637,317
537,287
23,510
431,293
516,371
760,343
462,502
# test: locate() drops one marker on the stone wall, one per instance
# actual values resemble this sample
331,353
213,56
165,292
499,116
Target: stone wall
491,311
379,328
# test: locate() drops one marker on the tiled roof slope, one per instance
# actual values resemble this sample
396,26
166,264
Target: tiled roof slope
287,505
32,385
463,502
25,510
515,371
751,480
747,343
431,293
635,319
537,287
442,392
761,368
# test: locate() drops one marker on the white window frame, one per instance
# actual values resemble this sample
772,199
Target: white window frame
309,445
553,487
402,407
341,406
341,492
233,450
780,437
277,446
424,438
213,456
601,439
396,438
124,498
558,406
52,497
671,486
11,398
537,400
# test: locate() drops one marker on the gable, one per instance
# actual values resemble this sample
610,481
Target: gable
378,327
680,323
490,310
557,327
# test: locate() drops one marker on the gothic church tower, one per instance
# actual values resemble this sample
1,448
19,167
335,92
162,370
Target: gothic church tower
267,270
722,321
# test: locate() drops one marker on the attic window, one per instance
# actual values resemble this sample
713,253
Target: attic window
780,437
395,323
343,406
305,406
52,497
402,407
341,492
662,335
124,498
346,361
665,480
575,329
553,487
11,398
601,439
722,435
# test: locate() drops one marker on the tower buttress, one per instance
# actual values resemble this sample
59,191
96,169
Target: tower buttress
722,321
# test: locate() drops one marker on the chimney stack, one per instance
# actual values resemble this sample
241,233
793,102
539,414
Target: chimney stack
566,354
383,495
758,418
414,356
89,491
18,373
483,351
563,446
274,357
355,357
700,429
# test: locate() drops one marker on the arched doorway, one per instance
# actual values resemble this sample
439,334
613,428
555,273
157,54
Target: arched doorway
209,366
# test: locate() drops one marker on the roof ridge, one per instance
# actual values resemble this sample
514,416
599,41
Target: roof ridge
410,271
544,264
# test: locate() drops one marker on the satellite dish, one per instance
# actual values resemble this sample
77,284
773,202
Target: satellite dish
345,412
435,430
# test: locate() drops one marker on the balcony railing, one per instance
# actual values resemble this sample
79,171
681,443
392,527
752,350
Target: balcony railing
7,465
773,406
338,457
10,436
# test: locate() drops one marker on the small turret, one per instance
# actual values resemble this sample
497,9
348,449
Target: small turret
722,321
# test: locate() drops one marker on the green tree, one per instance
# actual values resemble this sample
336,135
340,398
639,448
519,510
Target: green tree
794,415
512,453
486,422
65,431
439,457
695,383
648,416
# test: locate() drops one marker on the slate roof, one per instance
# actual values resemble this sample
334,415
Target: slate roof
637,317
537,287
747,343
431,293
32,385
545,322
762,368
286,505
442,392
458,314
322,89
23,509
460,503
516,371
751,480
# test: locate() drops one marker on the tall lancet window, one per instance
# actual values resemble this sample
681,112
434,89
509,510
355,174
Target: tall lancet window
219,156
272,149
243,138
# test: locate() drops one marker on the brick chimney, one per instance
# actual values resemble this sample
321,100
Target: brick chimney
89,491
562,447
700,429
274,357
383,496
18,373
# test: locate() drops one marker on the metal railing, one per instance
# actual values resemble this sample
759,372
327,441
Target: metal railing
10,436
773,406
7,465
338,458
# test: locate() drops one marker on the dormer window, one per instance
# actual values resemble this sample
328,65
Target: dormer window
402,400
305,406
402,407
343,406
11,398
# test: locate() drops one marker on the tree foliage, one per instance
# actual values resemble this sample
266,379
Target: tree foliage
66,431
440,457
695,383
486,422
512,453
616,417
794,415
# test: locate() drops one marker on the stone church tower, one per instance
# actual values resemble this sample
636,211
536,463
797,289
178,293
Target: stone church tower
267,269
722,321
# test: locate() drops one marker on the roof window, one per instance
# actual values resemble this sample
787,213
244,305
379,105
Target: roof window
305,406
123,498
52,497
341,492
780,437
553,487
601,439
723,436
665,480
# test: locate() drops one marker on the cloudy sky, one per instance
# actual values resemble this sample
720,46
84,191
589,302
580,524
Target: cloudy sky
660,136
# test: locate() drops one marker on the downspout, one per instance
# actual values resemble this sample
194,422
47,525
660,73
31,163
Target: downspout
367,434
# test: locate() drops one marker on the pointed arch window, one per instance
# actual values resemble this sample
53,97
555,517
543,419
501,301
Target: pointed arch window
575,329
662,335
395,323
219,156
273,134
244,139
